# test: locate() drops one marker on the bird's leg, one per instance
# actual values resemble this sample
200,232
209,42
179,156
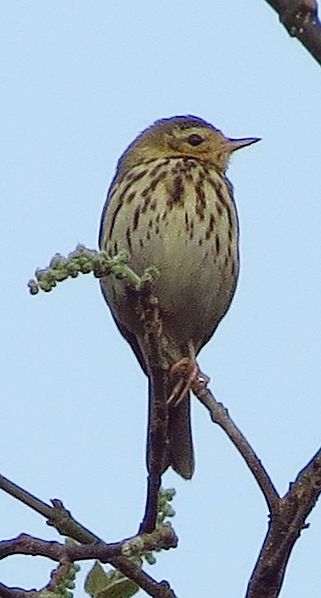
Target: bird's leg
189,374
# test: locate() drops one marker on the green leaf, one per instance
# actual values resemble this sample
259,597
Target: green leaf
110,584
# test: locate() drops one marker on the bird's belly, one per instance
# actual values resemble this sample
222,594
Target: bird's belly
198,266
195,285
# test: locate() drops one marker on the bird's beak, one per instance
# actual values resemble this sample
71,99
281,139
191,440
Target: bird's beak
234,144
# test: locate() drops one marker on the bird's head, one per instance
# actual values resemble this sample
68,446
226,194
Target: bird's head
183,136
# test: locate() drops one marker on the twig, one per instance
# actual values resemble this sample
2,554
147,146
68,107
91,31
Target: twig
287,515
300,18
24,496
220,416
6,592
162,538
92,546
157,406
84,260
56,515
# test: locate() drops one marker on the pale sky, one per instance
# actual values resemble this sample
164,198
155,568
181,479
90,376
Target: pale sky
78,81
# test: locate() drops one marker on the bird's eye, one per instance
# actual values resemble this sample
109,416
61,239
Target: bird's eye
195,139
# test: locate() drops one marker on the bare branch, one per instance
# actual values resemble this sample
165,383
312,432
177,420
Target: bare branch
162,538
148,307
26,497
6,592
296,505
220,416
300,18
92,546
287,515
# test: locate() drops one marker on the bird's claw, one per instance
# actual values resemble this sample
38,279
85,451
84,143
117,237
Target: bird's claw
189,376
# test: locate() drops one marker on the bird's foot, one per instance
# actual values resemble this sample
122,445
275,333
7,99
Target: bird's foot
189,374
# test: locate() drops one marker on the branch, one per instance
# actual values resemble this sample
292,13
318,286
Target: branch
117,554
157,405
6,592
287,515
56,515
220,416
300,18
84,261
283,532
162,538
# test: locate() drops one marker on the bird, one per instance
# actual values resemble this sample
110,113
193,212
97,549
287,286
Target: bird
171,205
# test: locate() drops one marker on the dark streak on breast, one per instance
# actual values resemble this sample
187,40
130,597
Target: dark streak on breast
128,237
153,205
112,192
113,220
130,197
200,197
147,193
217,244
191,230
162,175
136,217
210,227
158,166
177,192
139,175
218,187
131,178
124,192
146,203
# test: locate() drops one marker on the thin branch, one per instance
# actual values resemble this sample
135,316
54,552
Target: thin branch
57,515
29,545
148,308
26,497
128,568
287,515
6,592
93,547
220,416
300,18
162,538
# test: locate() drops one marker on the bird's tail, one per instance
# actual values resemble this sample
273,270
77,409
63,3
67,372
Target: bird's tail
181,452
178,451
